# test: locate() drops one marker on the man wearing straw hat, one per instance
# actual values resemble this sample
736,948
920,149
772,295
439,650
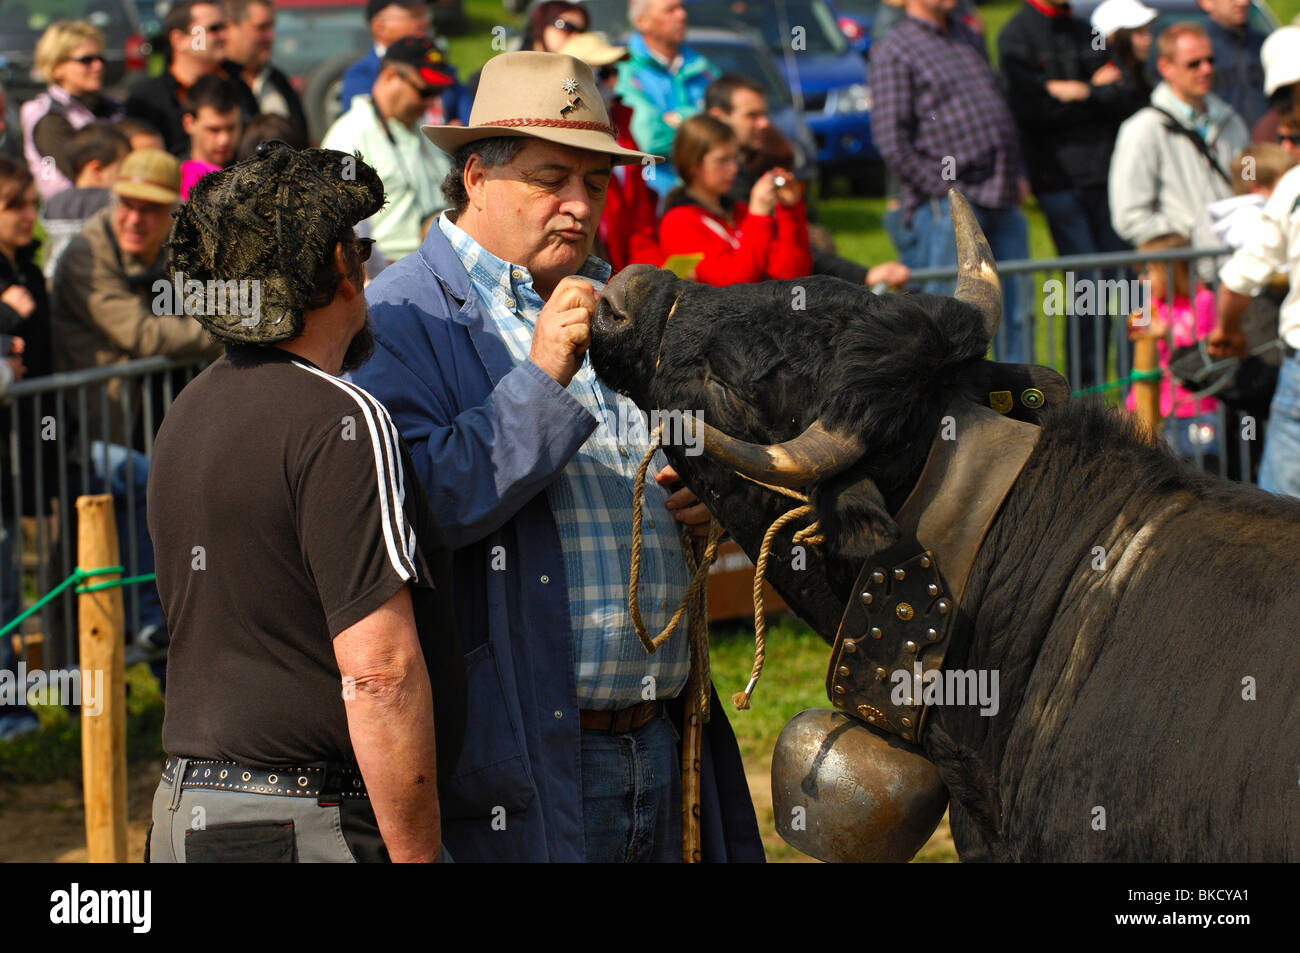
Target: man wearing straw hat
528,461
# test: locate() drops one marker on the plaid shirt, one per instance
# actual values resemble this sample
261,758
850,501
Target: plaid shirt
592,504
939,117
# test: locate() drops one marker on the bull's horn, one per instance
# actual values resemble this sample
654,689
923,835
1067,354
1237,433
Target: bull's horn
813,455
977,272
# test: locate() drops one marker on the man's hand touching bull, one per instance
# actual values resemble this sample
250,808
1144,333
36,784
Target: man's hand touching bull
563,331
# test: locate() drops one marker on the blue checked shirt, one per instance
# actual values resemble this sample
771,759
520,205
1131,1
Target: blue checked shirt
592,504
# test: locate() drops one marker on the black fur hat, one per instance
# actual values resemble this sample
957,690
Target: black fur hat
274,217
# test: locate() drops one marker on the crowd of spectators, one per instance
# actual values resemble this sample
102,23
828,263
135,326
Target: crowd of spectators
1125,140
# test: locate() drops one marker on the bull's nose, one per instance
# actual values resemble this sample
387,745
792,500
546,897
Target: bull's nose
615,293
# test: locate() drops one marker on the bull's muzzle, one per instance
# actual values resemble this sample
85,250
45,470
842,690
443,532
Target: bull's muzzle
616,296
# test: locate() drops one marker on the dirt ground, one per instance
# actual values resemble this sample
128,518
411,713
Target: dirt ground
46,823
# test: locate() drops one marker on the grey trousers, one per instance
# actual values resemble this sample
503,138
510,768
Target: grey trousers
195,825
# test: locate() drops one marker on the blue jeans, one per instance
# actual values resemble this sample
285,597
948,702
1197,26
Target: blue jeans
1279,470
632,795
932,244
118,459
1079,220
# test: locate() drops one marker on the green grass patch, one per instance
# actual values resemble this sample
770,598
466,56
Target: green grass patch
54,751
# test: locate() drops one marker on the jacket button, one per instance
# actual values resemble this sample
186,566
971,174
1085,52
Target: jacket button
545,580
558,713
517,273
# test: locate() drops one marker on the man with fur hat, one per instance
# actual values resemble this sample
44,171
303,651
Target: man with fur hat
304,580
571,752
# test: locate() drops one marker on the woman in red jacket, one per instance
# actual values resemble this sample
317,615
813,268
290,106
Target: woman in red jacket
764,238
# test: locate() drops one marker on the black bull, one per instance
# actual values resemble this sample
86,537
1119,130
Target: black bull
1141,616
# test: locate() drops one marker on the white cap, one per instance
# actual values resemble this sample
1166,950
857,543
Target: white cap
1281,58
1121,15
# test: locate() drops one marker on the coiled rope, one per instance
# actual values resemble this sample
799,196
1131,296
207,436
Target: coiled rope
695,597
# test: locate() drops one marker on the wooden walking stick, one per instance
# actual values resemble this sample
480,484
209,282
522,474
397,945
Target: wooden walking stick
697,699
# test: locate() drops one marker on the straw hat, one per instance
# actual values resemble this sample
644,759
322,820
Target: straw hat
594,49
551,96
150,175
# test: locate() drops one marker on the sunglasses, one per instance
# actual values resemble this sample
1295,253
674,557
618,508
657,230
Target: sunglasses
89,60
568,26
1291,137
424,92
1196,64
218,27
364,247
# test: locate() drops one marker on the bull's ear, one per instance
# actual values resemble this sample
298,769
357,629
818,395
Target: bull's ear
854,518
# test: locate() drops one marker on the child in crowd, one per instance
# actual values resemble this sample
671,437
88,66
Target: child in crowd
766,237
1254,174
96,151
1191,422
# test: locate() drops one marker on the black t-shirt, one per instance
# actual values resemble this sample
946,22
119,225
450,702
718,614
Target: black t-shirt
284,508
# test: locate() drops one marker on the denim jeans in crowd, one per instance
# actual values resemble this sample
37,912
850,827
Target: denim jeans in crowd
114,481
1079,220
632,795
16,718
1279,470
930,243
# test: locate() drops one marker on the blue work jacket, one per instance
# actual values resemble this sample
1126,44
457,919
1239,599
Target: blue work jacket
487,438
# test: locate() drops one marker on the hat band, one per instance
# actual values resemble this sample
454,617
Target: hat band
136,180
558,123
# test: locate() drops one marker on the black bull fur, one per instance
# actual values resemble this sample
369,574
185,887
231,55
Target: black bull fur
1126,688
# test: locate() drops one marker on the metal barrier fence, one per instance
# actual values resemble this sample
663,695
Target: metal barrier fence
1056,341
83,432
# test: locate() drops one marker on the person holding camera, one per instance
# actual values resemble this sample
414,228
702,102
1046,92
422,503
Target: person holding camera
766,237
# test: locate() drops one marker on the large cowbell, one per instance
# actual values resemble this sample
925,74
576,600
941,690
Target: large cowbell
844,792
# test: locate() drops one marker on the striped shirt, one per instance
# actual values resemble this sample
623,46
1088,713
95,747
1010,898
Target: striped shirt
592,504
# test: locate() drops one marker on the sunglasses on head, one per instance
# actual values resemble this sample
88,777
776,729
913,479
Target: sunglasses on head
568,26
88,60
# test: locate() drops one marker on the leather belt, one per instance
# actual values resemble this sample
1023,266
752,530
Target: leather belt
621,721
322,783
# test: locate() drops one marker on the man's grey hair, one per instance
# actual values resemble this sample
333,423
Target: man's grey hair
637,9
493,152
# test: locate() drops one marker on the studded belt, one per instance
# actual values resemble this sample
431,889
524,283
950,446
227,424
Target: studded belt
323,783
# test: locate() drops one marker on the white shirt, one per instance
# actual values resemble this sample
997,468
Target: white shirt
410,166
1273,244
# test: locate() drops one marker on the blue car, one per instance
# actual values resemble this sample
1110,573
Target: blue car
827,78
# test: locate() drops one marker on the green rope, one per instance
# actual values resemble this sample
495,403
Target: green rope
78,576
1151,375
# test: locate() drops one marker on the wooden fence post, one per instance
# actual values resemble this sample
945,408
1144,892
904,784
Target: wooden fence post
103,734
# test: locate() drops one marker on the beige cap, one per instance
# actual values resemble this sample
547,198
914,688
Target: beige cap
594,49
150,175
551,96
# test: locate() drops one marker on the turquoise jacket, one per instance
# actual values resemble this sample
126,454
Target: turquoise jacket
651,91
